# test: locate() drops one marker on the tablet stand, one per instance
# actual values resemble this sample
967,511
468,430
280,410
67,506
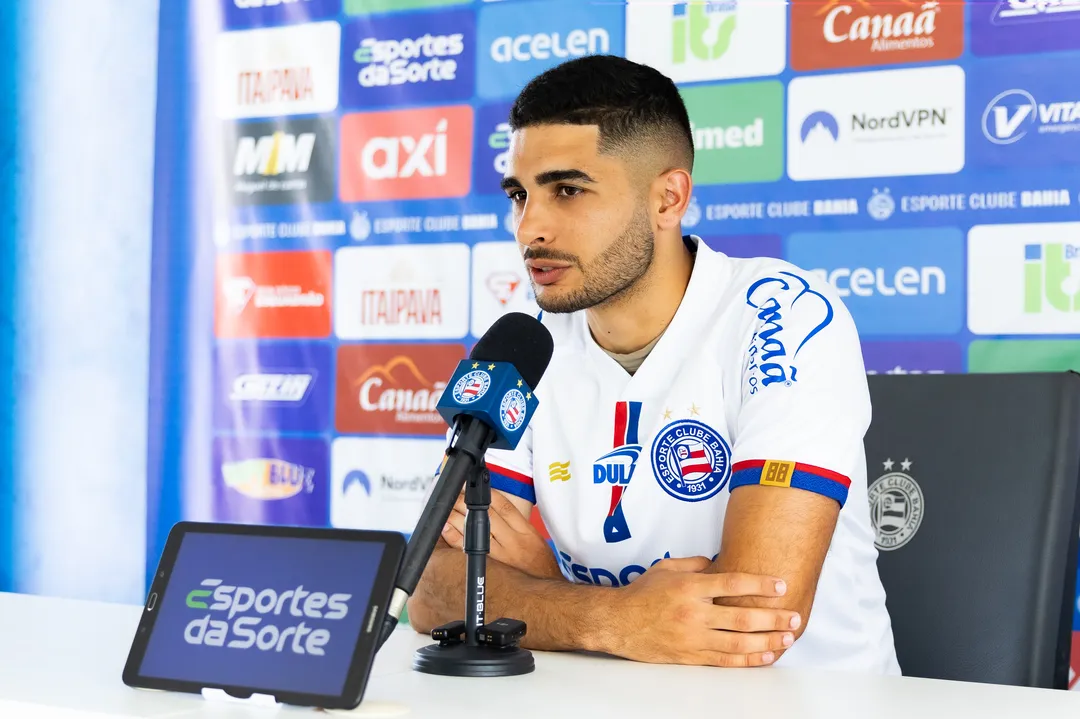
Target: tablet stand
473,657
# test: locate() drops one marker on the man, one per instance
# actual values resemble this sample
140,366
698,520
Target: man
697,454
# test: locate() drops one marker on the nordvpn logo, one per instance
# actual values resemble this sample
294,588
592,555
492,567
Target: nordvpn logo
820,126
239,617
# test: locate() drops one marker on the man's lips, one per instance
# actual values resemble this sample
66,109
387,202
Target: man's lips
546,272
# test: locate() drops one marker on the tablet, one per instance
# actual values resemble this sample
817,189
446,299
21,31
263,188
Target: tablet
290,612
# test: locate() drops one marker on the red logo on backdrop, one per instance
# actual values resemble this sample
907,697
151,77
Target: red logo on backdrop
406,154
393,389
273,294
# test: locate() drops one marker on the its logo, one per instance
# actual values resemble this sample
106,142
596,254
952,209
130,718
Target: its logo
471,387
1010,12
770,361
691,461
559,471
242,611
512,410
394,61
693,22
356,478
881,205
616,468
406,154
819,126
268,479
896,506
1051,277
291,388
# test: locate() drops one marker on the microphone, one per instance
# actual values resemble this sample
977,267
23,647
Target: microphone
488,402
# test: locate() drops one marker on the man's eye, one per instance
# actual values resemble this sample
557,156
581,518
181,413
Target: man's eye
569,190
517,196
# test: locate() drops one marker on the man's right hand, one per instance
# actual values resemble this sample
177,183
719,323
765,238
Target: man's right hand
667,616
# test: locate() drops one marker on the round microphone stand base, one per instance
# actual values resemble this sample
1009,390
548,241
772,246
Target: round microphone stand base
461,660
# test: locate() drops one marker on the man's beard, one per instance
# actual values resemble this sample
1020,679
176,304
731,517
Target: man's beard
612,276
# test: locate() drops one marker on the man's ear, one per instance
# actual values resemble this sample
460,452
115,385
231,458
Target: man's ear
673,190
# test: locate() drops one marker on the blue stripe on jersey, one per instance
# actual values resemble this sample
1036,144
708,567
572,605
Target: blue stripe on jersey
512,486
632,423
800,479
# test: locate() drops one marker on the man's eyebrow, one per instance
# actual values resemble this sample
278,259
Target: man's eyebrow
548,178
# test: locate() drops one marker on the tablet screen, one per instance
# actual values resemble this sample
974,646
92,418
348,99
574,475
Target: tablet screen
281,613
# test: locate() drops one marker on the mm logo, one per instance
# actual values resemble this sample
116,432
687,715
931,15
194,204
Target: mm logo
691,25
1051,276
274,154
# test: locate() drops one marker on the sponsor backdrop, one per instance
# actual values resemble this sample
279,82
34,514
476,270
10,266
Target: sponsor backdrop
330,237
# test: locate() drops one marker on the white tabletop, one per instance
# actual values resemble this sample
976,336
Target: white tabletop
62,659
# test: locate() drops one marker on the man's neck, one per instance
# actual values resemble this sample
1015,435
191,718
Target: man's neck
634,320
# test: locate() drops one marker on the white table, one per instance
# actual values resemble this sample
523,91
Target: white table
62,659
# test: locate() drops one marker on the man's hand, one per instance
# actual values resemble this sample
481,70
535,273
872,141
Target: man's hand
667,616
514,541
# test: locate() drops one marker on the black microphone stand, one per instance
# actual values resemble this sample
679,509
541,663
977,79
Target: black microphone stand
476,649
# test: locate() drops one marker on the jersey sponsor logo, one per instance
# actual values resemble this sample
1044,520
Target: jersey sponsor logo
400,61
393,389
840,127
601,576
1028,118
559,471
896,506
518,41
830,34
273,294
406,154
1010,27
512,410
773,348
279,480
702,41
472,386
616,468
271,72
690,460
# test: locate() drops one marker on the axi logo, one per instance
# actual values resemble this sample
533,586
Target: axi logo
1052,277
691,24
616,468
406,154
395,61
235,618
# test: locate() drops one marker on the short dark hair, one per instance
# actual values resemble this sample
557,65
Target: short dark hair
630,102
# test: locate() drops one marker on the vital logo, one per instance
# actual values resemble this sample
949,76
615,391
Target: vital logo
1051,277
240,617
773,350
268,479
429,58
285,162
288,388
693,23
406,154
1014,113
616,468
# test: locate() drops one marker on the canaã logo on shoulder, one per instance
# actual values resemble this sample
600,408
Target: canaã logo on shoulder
242,611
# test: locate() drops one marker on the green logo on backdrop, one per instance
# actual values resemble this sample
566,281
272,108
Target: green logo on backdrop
194,597
691,24
738,132
363,7
1024,355
1047,281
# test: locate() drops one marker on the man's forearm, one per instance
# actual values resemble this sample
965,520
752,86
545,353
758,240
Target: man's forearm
559,615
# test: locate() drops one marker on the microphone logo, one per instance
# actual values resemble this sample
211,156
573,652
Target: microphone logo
512,410
471,387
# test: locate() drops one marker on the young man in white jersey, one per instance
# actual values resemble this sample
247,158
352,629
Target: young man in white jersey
697,453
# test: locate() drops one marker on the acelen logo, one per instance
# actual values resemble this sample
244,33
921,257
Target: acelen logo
393,389
698,41
424,58
406,154
830,34
273,295
894,282
281,162
517,41
272,72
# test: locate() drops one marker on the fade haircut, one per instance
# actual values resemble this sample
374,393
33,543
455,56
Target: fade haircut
634,106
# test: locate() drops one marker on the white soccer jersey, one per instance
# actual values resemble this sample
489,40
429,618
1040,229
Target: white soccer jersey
758,379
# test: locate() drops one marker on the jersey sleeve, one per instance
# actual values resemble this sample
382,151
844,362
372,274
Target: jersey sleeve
511,470
805,402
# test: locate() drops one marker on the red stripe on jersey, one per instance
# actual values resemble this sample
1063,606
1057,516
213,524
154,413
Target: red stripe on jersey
810,468
620,423
516,476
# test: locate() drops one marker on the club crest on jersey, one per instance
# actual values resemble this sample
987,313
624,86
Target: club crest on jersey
691,461
616,468
773,349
